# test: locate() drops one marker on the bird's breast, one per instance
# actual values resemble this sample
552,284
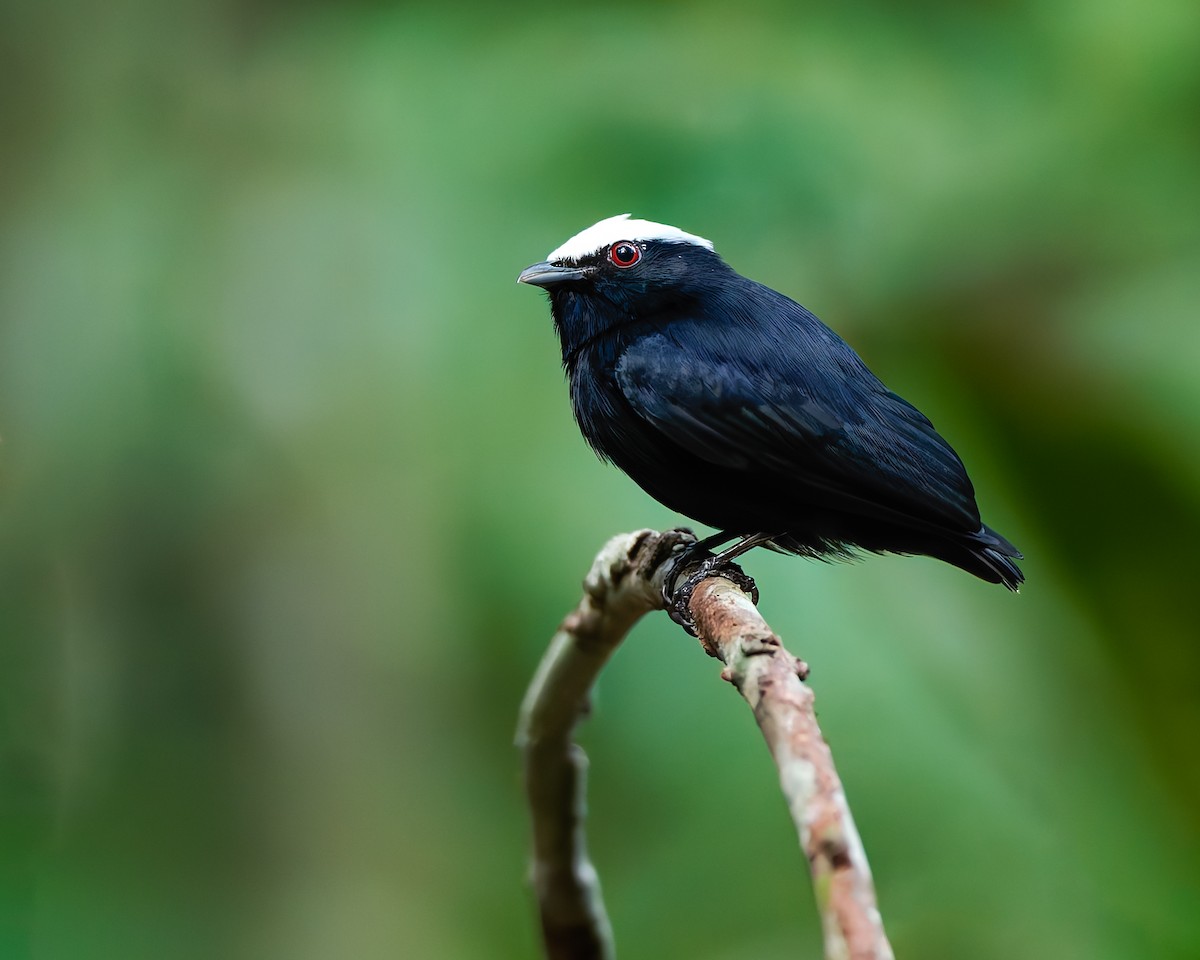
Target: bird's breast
604,415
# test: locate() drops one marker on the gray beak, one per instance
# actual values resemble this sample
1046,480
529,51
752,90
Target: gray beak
546,274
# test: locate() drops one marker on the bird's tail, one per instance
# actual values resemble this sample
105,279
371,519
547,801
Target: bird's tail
990,557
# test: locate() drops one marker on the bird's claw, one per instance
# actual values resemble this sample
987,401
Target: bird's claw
678,596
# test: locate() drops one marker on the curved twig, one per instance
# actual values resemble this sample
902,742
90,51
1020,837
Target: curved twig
625,582
769,677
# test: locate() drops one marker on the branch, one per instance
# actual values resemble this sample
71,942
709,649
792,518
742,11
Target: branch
625,583
769,677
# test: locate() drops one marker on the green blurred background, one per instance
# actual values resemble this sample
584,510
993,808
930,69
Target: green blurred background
292,500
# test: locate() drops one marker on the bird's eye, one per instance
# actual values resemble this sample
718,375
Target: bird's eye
624,254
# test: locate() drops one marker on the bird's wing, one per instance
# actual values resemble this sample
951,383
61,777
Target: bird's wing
845,441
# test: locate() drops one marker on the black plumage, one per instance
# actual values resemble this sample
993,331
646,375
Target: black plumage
735,406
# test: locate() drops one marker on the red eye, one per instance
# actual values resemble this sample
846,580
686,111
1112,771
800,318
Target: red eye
624,254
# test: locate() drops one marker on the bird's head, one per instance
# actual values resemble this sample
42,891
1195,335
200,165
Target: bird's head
620,271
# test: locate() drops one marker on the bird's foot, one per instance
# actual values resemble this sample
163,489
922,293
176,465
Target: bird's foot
688,551
678,596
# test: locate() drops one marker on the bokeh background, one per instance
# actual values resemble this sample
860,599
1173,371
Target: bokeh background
291,499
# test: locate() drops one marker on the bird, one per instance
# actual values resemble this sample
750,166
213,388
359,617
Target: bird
732,404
